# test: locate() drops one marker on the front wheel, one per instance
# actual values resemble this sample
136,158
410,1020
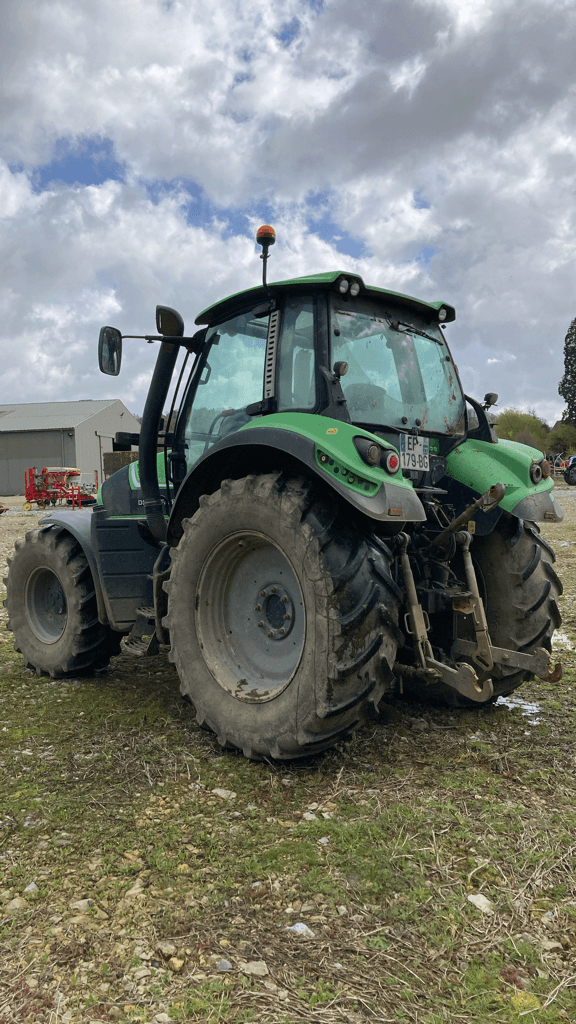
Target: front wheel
52,609
282,617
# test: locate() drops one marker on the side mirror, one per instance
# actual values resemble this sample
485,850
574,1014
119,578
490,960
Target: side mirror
110,351
169,322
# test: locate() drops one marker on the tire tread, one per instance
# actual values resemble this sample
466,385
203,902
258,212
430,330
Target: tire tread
362,612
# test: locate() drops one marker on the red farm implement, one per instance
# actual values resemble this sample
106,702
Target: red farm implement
52,486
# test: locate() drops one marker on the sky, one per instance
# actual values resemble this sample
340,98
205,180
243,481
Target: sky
428,145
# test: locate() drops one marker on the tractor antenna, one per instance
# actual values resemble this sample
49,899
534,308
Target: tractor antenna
265,236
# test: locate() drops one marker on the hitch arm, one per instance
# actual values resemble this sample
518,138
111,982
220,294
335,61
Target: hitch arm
482,653
462,678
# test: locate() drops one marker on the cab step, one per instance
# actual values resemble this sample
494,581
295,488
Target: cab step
142,641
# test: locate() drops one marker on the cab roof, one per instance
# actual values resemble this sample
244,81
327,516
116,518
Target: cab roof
233,304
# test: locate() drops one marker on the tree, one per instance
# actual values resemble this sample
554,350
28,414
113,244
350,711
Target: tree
567,386
525,427
562,439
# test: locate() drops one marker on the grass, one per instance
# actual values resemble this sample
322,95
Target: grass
107,795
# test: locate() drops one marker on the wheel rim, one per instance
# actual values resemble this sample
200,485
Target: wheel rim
46,605
250,617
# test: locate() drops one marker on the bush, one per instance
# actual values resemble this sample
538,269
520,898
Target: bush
525,427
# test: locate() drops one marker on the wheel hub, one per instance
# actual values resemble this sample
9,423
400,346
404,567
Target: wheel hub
46,605
277,608
250,617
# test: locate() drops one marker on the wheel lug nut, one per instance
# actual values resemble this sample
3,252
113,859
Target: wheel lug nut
260,625
284,599
273,590
270,633
257,607
262,593
281,630
287,617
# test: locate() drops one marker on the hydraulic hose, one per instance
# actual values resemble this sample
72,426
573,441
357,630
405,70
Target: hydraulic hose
148,464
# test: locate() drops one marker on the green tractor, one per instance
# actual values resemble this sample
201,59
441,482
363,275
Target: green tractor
326,519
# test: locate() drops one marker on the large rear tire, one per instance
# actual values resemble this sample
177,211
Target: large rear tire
52,607
282,617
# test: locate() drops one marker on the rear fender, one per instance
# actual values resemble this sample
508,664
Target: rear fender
77,522
299,442
479,464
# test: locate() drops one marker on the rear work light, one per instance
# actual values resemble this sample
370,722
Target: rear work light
374,455
368,450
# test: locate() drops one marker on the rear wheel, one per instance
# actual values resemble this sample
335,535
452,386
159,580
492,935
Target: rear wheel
52,608
282,617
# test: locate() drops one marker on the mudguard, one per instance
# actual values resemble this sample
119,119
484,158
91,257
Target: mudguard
479,464
78,523
318,445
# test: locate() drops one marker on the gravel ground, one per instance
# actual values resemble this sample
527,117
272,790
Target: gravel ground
14,524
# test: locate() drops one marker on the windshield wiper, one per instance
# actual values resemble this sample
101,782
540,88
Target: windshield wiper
397,324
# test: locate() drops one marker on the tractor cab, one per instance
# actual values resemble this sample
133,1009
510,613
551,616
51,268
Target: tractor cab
326,345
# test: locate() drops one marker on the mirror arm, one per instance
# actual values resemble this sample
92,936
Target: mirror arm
193,344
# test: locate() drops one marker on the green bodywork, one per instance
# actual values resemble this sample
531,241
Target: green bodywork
479,464
335,439
133,473
476,464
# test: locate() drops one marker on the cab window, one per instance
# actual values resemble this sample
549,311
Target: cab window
229,378
296,377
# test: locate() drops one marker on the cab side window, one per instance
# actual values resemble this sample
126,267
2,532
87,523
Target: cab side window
296,378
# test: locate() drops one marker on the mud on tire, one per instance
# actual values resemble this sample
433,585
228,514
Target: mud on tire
282,617
52,608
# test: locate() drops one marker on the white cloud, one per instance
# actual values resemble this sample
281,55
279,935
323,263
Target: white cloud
440,134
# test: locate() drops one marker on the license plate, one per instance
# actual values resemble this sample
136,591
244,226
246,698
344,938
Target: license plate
414,452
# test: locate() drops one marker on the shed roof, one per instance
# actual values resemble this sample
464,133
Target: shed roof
50,415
